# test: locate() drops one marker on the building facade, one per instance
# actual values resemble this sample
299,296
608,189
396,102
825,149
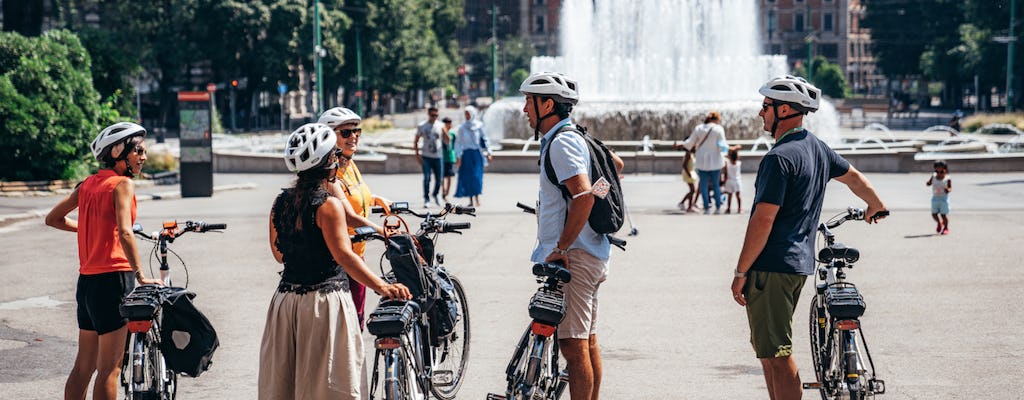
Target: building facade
829,28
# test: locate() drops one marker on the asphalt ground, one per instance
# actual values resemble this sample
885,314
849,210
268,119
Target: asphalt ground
943,315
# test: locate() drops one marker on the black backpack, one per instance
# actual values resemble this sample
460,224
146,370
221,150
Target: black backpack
187,340
607,214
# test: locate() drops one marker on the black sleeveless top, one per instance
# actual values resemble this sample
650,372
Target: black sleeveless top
307,260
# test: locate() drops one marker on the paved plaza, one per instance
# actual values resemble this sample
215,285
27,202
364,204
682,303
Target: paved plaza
943,314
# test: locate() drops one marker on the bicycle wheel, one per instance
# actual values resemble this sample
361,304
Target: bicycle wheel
819,355
165,381
452,354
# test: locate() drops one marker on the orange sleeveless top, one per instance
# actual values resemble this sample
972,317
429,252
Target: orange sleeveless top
359,196
99,249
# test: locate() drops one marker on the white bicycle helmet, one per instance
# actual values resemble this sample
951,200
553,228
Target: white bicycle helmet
792,89
308,146
112,135
553,84
338,116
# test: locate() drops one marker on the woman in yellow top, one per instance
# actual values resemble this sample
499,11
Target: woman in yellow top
350,183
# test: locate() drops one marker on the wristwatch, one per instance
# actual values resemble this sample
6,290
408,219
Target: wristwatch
557,250
736,273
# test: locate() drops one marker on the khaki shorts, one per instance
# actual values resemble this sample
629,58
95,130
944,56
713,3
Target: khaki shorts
771,301
588,272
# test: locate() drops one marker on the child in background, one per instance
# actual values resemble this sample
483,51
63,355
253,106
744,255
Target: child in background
690,177
731,179
941,186
447,157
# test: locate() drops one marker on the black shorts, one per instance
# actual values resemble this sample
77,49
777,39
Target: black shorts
449,169
99,299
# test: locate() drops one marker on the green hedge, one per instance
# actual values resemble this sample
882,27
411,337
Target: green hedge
49,110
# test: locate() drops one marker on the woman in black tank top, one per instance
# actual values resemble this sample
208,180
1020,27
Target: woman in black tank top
311,342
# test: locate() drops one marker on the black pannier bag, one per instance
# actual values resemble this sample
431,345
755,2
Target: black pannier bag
187,340
547,307
408,269
844,301
445,313
141,304
391,318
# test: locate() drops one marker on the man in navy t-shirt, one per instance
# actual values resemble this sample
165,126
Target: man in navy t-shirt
778,249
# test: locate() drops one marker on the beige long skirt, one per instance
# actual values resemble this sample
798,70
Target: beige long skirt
312,348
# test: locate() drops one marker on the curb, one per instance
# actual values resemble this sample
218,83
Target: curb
8,219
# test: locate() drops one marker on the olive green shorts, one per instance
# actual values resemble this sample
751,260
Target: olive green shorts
771,301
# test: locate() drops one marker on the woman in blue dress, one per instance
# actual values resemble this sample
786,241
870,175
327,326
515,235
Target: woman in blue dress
471,145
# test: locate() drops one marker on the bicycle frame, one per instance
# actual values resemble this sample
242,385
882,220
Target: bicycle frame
836,341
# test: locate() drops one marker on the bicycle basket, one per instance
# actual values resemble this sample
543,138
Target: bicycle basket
844,301
445,313
547,307
391,318
187,339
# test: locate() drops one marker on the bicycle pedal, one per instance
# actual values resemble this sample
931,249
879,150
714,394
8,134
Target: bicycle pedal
877,386
442,378
812,385
492,396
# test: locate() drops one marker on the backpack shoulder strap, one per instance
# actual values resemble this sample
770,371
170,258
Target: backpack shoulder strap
548,168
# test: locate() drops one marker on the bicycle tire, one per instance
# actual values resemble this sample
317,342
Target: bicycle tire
454,349
818,355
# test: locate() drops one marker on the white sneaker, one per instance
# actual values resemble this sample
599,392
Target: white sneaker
718,211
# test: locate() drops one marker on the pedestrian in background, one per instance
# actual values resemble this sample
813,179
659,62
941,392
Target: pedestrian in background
471,146
108,257
941,186
778,248
731,181
448,152
705,141
429,156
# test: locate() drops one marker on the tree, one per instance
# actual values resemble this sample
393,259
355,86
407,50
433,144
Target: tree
402,50
827,76
514,53
49,110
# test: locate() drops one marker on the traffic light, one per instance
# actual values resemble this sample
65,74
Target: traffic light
234,83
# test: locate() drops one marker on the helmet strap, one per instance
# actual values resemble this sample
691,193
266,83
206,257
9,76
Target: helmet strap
775,110
536,111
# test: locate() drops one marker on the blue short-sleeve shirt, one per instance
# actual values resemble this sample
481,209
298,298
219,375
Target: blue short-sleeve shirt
793,176
569,157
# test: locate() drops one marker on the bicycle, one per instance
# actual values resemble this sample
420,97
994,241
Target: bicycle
423,342
533,370
145,374
834,321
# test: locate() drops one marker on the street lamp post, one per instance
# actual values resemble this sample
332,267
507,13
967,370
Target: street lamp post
317,56
1009,58
494,51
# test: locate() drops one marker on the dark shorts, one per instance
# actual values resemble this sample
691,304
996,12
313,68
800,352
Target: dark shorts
771,302
99,299
449,169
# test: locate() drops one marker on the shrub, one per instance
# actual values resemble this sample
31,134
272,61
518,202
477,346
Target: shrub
374,124
49,110
977,121
160,161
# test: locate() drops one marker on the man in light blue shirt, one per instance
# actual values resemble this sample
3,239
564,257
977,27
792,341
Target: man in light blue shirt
563,234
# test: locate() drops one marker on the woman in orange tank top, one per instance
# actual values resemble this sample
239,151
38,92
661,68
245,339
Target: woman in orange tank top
349,182
108,257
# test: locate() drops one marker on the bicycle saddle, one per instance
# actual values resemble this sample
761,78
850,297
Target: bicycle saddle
552,270
839,251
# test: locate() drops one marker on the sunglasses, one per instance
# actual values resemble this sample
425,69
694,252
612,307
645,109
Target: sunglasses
764,106
433,115
347,133
139,150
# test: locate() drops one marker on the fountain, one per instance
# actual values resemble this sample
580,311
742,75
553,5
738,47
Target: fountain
656,68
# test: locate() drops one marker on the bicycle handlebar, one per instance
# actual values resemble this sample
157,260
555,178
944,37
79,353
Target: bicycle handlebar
527,209
172,230
855,214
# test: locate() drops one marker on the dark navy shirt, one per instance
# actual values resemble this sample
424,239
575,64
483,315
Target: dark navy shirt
793,176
